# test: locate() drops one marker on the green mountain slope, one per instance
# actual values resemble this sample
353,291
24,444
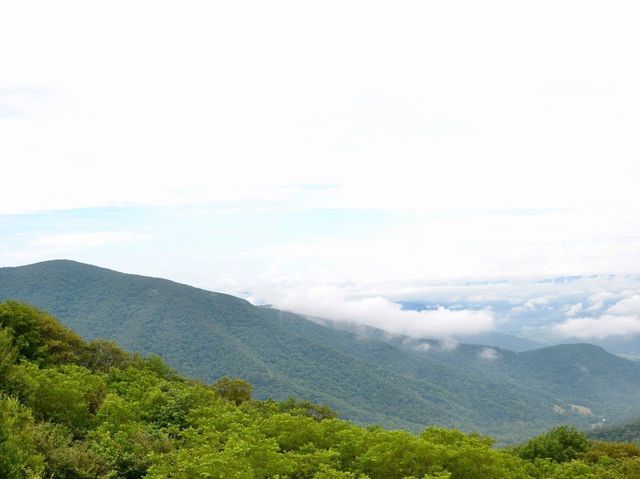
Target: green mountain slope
627,432
89,410
579,374
387,381
501,340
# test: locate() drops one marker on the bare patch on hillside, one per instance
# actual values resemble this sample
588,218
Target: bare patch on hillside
582,410
559,409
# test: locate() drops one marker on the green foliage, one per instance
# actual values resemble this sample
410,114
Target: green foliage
8,354
66,394
233,389
129,449
38,336
318,412
600,451
18,455
105,414
65,458
561,444
101,355
627,432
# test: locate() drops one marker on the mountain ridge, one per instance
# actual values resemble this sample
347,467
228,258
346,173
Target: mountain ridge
207,335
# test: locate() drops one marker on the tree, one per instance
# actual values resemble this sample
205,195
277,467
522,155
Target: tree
8,354
18,456
38,336
561,444
102,355
233,389
66,458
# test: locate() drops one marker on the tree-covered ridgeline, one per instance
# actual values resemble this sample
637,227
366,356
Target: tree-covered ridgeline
366,376
626,432
76,409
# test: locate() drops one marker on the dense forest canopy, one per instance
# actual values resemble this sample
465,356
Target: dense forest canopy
626,432
76,409
397,382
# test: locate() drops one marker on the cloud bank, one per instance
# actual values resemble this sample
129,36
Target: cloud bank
548,310
621,319
379,312
601,327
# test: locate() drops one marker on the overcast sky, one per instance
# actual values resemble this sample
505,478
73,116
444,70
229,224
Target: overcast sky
308,154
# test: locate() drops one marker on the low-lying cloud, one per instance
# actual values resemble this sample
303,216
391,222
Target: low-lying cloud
489,354
602,327
546,309
621,319
627,306
379,312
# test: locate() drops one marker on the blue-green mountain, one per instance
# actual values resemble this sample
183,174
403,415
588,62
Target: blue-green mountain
371,378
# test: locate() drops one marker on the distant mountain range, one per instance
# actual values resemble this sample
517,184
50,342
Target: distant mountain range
371,378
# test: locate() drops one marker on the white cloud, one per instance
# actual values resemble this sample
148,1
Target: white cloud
573,309
627,306
332,303
373,300
598,298
620,319
410,343
244,97
535,303
599,328
488,354
81,240
448,344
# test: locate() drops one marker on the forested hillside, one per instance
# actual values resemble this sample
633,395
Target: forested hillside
72,409
627,432
395,382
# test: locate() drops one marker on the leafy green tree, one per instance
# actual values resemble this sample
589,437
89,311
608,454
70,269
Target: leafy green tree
600,450
233,389
101,355
66,458
67,394
38,336
154,363
396,454
169,404
18,455
245,456
115,412
318,412
292,432
130,449
326,472
8,355
561,444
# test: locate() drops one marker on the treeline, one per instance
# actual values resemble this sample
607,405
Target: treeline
76,409
628,432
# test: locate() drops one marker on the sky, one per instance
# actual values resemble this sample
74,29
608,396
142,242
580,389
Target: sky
335,158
